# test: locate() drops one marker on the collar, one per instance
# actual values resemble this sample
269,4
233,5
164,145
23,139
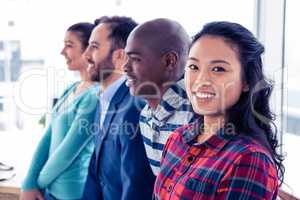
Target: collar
174,98
108,94
215,142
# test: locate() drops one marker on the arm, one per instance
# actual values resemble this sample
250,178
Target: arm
253,177
31,195
136,174
77,137
39,158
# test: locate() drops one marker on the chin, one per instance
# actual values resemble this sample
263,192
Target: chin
72,68
204,110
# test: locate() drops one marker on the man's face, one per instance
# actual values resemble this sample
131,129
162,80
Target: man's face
99,54
144,68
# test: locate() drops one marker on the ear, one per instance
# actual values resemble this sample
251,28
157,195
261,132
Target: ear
119,58
245,87
171,58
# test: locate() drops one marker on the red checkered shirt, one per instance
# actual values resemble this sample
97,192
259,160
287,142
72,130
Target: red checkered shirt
223,167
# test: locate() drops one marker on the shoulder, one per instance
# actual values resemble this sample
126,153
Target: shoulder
251,166
248,151
68,89
71,87
132,107
177,134
88,101
176,137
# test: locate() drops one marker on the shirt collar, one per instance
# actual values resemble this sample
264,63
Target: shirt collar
171,101
108,94
215,142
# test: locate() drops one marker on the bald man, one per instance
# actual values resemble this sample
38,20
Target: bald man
157,51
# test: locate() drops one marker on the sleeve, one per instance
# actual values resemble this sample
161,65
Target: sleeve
136,174
39,158
77,137
254,176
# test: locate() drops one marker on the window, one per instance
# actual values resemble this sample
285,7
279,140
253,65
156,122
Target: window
291,106
31,41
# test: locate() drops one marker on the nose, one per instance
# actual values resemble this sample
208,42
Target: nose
86,54
127,65
63,52
203,78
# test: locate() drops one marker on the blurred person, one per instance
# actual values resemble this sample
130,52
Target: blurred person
60,164
231,151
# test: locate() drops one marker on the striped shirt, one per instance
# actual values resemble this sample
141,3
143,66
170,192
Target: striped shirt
156,125
223,167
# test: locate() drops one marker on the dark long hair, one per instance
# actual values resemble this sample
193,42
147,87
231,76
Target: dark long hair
83,31
251,115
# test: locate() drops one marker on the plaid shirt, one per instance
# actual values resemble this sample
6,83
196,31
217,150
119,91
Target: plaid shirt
156,125
223,167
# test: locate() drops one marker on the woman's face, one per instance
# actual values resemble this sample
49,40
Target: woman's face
73,51
213,76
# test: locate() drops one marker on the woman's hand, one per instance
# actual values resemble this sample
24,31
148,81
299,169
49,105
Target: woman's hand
34,194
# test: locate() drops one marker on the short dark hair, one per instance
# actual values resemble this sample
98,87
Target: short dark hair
120,28
100,19
83,31
251,115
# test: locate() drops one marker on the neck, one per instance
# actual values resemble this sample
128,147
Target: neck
211,125
84,76
153,103
154,99
109,80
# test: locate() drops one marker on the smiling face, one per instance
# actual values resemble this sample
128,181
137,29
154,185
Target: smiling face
99,54
144,68
73,51
213,76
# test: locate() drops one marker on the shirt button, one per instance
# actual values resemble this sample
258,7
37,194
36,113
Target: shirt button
190,158
170,188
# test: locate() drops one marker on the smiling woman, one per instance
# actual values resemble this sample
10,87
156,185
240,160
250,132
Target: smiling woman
214,76
231,151
66,147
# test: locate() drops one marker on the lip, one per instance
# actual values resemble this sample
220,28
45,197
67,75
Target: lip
204,95
130,76
131,80
205,92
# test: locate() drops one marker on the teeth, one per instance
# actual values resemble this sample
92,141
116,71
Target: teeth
204,95
129,81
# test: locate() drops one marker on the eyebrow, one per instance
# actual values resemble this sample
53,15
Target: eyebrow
68,41
220,61
133,53
193,58
212,62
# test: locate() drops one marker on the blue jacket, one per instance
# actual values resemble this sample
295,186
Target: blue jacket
119,168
